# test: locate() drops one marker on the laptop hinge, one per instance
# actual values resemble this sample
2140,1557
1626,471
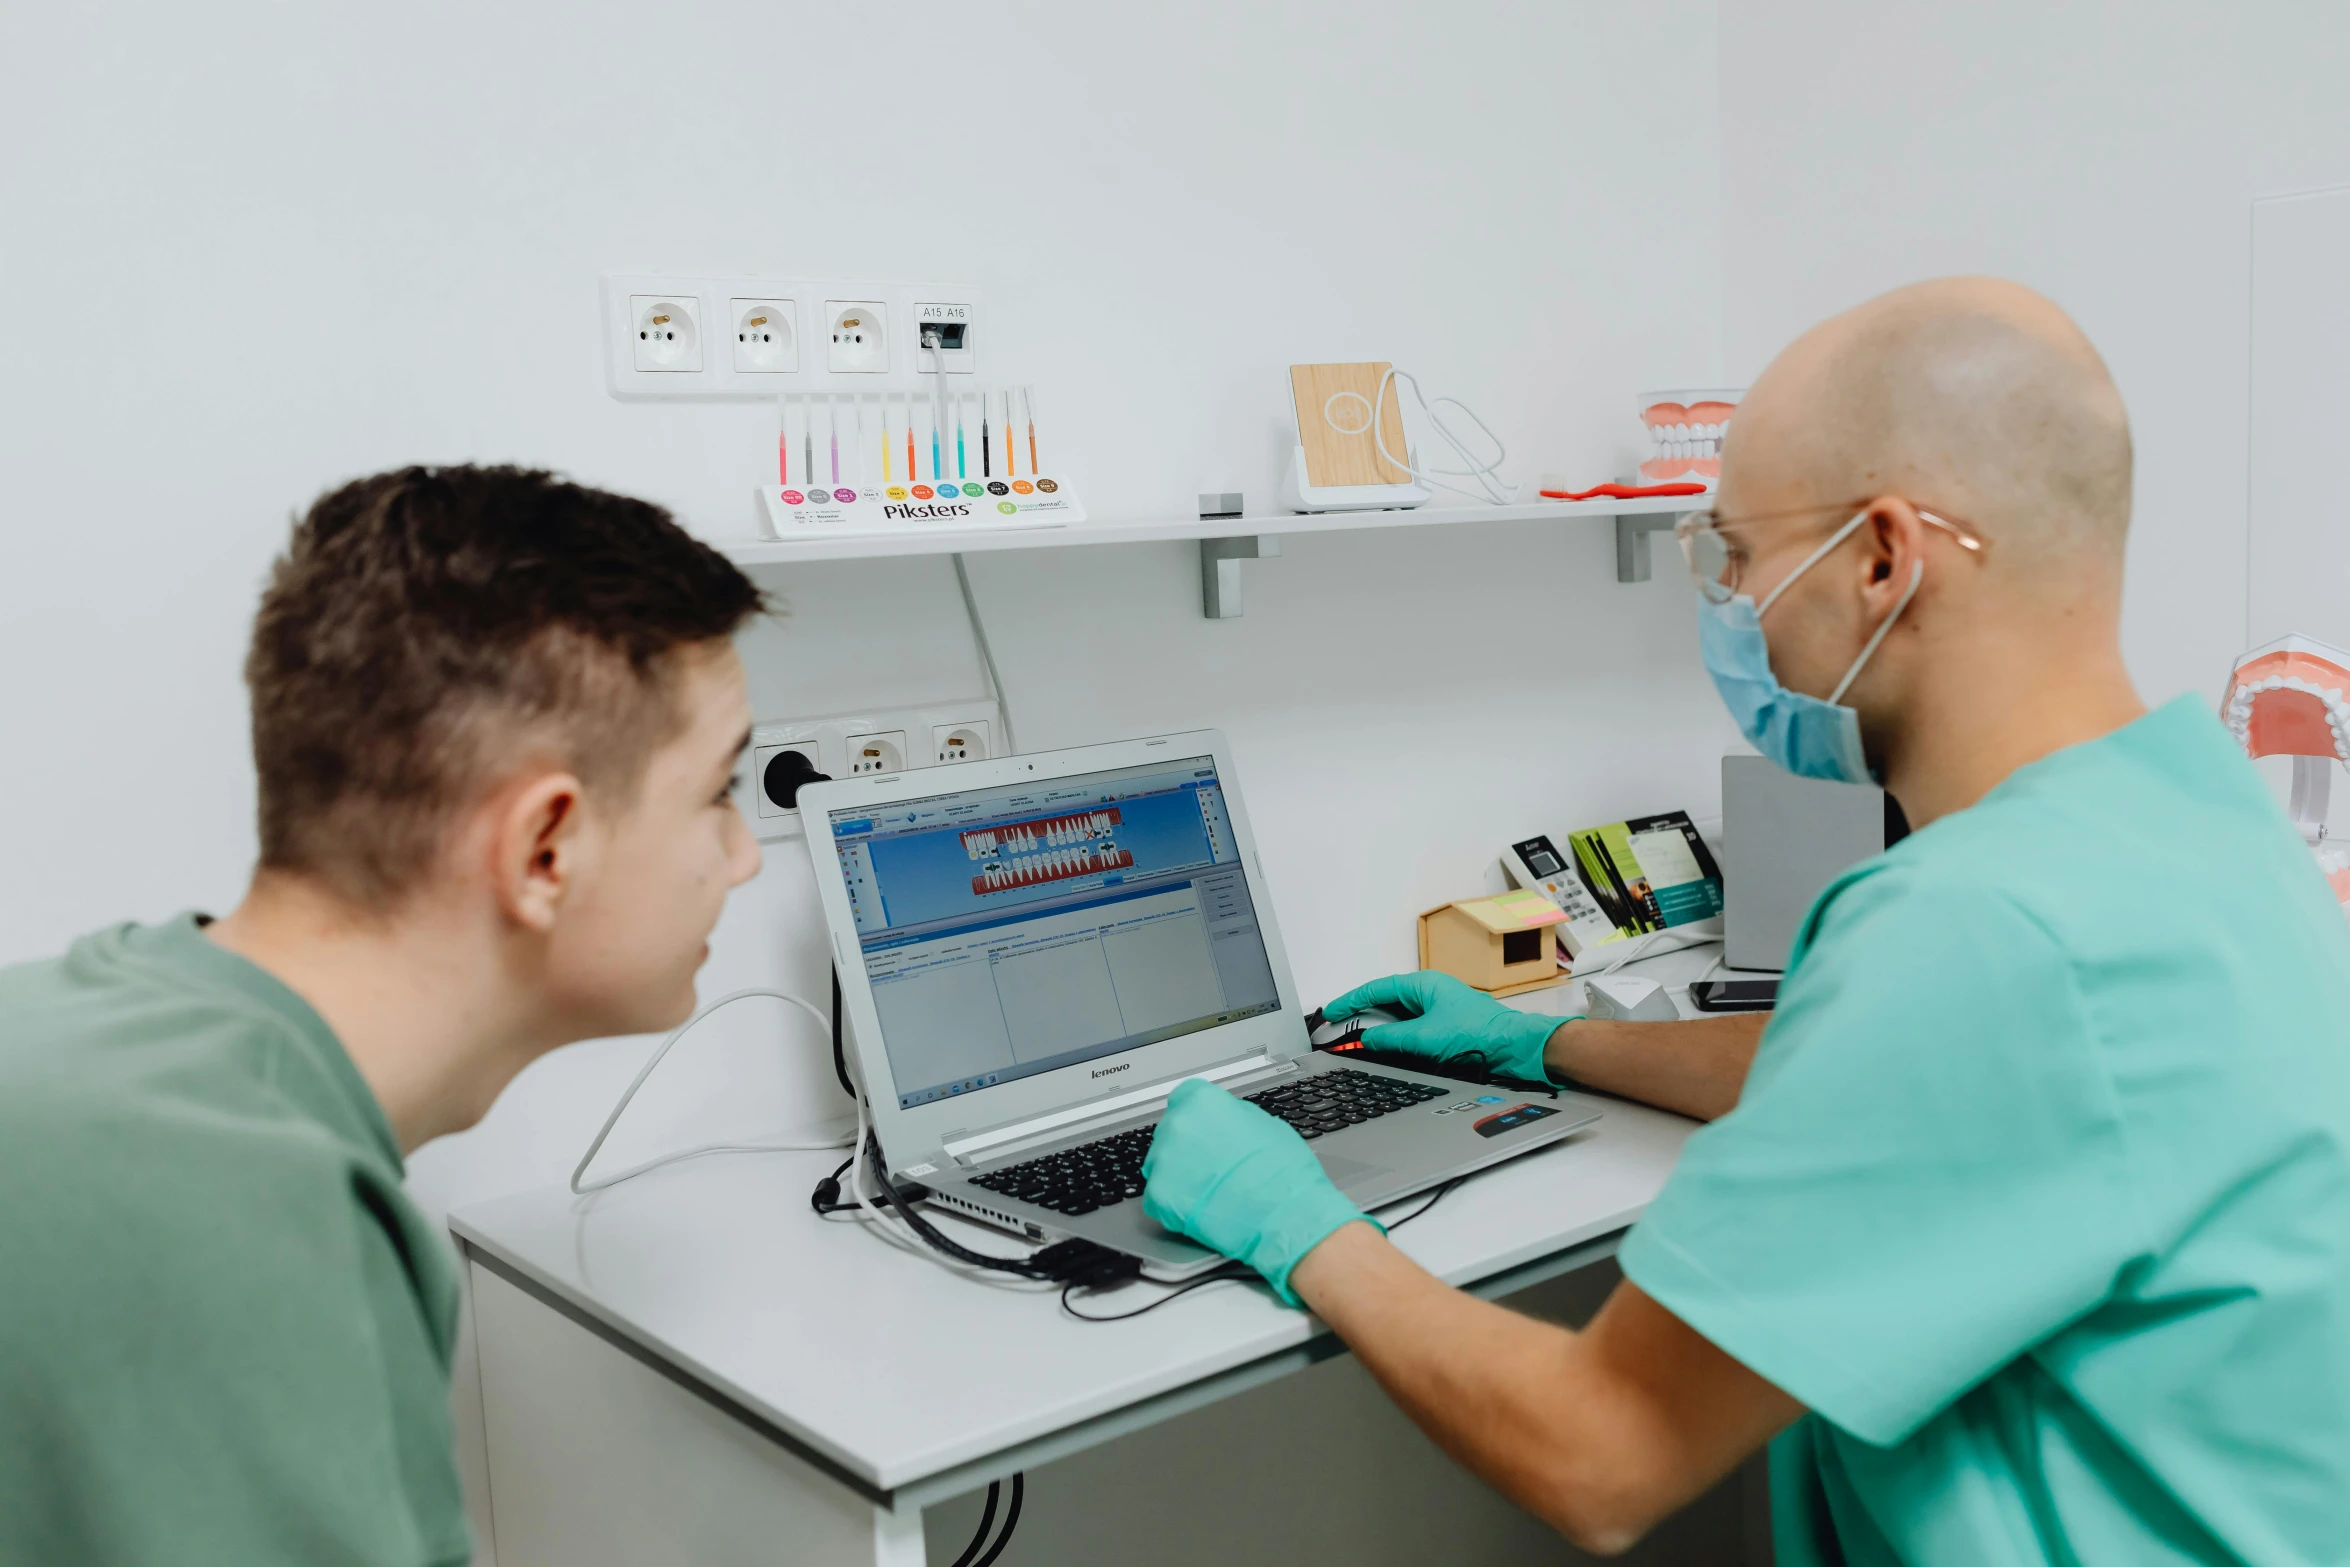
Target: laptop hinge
1056,1124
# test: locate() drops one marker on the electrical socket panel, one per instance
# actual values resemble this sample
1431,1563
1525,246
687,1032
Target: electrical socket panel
783,756
665,331
880,752
858,333
968,741
768,335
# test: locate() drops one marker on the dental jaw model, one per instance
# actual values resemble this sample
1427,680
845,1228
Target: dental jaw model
2287,699
1685,434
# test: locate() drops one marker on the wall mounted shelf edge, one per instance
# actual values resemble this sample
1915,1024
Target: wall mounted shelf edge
1225,541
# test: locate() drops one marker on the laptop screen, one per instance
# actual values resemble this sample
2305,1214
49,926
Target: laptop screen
1019,929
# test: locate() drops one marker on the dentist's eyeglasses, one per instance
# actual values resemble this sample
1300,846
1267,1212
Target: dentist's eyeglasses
1717,560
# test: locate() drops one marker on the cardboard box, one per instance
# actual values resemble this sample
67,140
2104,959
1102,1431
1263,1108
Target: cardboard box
1503,944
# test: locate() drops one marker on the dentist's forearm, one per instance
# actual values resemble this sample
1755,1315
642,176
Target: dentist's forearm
1696,1067
1496,1390
1599,1433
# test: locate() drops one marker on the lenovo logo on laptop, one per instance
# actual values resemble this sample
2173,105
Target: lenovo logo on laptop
1108,1070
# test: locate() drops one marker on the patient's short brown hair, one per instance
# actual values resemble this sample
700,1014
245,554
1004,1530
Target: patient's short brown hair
428,630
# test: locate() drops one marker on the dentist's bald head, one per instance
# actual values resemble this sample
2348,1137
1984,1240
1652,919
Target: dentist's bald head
1974,397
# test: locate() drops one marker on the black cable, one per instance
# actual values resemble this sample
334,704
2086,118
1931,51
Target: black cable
1011,1522
825,1199
930,1234
995,1489
840,1056
1434,1198
1231,1271
1077,1262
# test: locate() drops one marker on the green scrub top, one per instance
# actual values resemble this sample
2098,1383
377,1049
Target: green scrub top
225,1331
2038,1195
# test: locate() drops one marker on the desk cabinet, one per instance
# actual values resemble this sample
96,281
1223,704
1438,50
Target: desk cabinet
692,1368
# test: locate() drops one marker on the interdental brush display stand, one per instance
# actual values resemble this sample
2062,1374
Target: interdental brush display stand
970,505
851,466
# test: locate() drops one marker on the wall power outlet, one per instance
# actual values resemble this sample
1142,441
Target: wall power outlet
785,755
672,335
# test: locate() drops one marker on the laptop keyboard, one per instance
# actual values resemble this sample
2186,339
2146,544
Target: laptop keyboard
1108,1171
1333,1101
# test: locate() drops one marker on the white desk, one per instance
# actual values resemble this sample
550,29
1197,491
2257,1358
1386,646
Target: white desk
827,1385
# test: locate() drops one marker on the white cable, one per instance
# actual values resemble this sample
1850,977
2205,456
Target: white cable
995,682
580,1187
892,1228
1485,474
1643,947
896,1231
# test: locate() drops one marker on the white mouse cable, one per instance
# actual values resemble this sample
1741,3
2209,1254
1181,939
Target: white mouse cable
581,1187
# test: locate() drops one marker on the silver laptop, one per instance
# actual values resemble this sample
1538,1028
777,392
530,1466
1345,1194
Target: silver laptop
1034,950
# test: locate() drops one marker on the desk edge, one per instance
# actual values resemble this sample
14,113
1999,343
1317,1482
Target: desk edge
955,1478
682,1376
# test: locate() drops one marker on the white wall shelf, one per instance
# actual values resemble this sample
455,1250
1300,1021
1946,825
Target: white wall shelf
1226,541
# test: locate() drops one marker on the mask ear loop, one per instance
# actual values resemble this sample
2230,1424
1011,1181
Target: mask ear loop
1809,561
1916,577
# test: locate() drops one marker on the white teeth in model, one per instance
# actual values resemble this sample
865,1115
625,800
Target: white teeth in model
2238,713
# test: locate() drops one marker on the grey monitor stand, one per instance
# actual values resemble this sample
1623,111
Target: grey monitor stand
1783,839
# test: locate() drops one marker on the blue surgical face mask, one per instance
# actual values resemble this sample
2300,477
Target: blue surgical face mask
1809,737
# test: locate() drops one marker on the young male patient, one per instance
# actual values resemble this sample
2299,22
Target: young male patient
496,719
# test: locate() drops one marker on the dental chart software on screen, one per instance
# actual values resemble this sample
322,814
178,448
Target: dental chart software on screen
1014,930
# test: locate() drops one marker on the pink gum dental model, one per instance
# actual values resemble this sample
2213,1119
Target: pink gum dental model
2287,699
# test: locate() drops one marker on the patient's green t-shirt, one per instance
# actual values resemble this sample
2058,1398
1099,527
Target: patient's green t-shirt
225,1330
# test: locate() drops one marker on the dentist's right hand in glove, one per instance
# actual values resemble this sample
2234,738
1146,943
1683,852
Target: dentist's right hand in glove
1236,1180
1447,1021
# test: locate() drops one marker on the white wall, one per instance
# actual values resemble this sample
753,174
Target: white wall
2105,154
249,250
2299,556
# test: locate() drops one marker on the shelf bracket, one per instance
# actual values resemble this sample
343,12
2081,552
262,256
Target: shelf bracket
1632,543
1219,571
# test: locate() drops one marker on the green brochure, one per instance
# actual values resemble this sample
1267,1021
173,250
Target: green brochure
1649,873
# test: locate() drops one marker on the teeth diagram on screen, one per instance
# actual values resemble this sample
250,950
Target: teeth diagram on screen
1021,928
1028,853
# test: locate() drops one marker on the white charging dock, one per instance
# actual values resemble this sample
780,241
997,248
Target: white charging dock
1298,493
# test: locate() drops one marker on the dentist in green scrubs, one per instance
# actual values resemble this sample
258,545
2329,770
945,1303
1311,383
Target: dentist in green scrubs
2022,1232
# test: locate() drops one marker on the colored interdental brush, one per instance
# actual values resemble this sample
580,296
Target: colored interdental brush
1028,406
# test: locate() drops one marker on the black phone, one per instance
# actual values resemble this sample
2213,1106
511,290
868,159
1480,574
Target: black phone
1734,995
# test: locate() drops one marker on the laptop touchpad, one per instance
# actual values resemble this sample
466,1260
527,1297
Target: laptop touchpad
1348,1172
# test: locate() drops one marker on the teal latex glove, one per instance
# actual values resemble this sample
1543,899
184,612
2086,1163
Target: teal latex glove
1240,1182
1448,1020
